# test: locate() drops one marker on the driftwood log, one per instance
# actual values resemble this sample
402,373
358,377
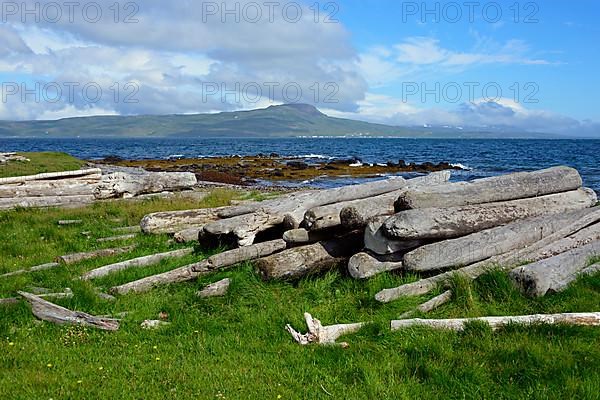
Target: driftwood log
322,335
495,323
430,305
554,274
123,185
47,189
37,268
214,263
446,223
301,236
176,221
377,242
50,312
51,176
118,238
365,265
298,262
578,239
139,262
188,235
79,257
217,289
491,190
47,201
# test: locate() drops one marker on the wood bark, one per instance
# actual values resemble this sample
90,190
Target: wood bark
139,262
217,289
446,223
377,242
495,323
554,274
298,262
322,335
50,312
214,263
505,262
365,265
175,221
122,185
79,257
188,235
44,202
491,190
50,176
482,245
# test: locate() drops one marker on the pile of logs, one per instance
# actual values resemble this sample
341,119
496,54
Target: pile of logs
76,188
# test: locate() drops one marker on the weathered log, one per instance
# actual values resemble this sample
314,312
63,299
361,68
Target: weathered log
553,274
139,262
37,268
301,236
446,223
244,227
70,222
297,262
117,238
47,189
122,185
578,239
50,175
377,242
505,262
188,235
495,323
591,270
322,335
214,263
329,216
44,202
50,312
175,221
79,257
491,190
365,265
430,305
217,289
482,245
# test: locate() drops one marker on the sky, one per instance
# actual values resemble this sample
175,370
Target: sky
527,66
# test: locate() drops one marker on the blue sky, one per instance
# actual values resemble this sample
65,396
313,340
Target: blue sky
532,69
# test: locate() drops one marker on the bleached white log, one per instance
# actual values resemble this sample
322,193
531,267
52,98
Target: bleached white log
491,190
323,335
45,202
175,221
79,257
578,239
430,305
445,223
495,323
117,238
50,176
365,265
217,289
301,236
37,268
139,262
47,189
50,312
123,185
153,324
377,242
188,235
70,222
554,274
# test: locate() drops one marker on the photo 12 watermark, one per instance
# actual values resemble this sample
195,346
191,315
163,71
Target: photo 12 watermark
471,92
453,12
70,92
69,12
270,12
257,92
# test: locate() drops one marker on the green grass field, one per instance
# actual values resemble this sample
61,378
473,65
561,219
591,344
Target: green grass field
236,347
40,163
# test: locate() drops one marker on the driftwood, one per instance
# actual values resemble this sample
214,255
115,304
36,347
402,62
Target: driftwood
297,262
591,270
47,189
153,324
117,238
50,312
135,263
491,190
505,262
430,305
70,222
445,223
175,221
214,263
578,239
554,274
495,323
122,185
365,265
38,268
50,176
377,242
323,335
482,245
187,235
79,257
301,236
217,289
47,201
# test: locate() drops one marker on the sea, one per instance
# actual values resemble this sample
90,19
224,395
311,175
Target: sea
479,157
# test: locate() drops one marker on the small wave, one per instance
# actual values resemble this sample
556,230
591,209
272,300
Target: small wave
461,166
356,164
316,156
175,156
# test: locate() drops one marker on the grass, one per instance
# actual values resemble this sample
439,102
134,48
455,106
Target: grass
41,163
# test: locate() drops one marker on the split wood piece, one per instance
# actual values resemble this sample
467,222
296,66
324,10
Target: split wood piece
117,238
50,175
358,211
139,262
79,257
217,289
188,235
553,274
579,239
153,324
128,229
123,185
365,265
175,221
301,236
491,190
50,312
323,335
70,222
298,262
249,208
446,223
38,268
48,189
495,323
193,271
482,245
46,202
377,242
505,262
430,305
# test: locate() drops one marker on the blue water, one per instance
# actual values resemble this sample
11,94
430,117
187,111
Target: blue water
482,157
